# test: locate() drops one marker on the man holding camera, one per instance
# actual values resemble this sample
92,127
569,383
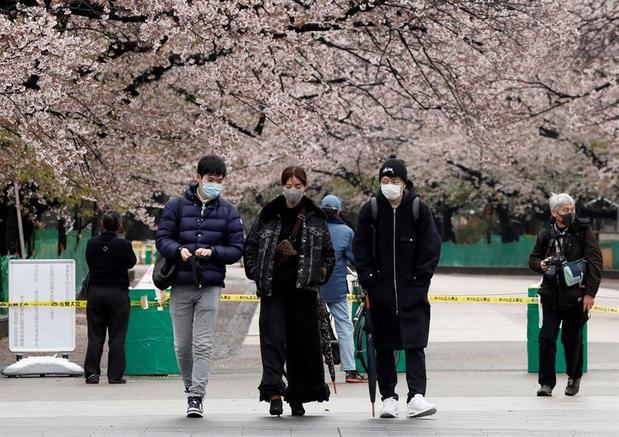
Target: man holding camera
569,257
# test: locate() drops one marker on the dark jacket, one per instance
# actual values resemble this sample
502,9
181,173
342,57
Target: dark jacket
398,277
316,257
216,225
580,243
109,258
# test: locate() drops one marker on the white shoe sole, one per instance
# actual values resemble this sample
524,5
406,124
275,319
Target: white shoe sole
387,415
423,413
194,414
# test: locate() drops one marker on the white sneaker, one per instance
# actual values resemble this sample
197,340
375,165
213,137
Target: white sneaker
419,407
390,408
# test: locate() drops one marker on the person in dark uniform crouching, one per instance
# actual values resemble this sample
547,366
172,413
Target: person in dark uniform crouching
109,258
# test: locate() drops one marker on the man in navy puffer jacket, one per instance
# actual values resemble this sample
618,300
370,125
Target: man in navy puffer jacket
207,236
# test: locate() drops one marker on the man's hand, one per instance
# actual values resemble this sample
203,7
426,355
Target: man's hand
587,303
204,252
543,266
185,254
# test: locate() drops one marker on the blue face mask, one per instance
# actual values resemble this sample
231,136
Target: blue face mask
212,189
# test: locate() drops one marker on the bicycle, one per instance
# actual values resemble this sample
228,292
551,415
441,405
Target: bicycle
359,322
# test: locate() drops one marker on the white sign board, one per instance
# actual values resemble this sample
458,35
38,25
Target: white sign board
146,283
41,328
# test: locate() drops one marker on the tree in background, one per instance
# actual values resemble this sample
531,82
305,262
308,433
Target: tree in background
117,100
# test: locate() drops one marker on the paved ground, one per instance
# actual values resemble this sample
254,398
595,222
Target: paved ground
470,403
477,377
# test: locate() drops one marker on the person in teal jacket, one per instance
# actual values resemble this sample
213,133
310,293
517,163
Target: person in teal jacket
335,291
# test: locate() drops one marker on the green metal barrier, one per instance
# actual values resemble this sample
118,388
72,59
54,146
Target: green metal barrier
533,328
149,346
4,281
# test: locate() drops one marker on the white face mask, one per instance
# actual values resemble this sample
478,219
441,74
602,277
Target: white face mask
390,191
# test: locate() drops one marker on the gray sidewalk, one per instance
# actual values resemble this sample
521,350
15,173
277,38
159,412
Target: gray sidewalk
475,403
477,376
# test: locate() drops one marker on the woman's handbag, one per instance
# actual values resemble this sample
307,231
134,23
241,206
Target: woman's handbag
285,250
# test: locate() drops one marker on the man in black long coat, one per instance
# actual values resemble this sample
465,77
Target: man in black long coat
396,249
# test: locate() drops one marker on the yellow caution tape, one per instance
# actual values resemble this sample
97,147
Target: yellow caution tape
605,309
61,304
239,298
254,298
483,299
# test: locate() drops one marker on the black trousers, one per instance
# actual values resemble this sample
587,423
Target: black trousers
387,375
571,337
107,311
290,337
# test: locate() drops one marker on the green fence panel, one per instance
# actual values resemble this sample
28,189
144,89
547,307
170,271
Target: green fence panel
149,345
533,328
499,255
614,246
46,247
4,279
494,254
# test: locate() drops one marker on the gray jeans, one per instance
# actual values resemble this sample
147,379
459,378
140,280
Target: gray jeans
194,318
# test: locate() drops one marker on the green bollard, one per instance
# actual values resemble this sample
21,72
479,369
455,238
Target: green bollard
149,344
533,328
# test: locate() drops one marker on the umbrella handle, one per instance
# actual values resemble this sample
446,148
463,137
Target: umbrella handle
373,412
367,301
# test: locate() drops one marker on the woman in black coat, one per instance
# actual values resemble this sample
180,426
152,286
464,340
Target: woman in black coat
288,253
109,258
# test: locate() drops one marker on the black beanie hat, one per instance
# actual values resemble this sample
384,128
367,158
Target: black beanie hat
393,168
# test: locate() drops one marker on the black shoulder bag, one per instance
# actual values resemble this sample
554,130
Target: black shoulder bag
164,272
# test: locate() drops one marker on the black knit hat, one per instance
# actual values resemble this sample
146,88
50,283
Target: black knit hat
393,168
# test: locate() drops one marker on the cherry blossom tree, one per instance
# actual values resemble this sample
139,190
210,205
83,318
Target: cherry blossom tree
115,101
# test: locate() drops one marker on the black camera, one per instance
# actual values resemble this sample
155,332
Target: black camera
552,262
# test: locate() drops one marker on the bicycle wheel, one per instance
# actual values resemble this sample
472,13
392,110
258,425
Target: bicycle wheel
360,341
359,336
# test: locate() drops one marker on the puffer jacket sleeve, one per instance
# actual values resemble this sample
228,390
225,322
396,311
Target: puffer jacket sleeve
593,255
167,235
327,256
250,255
232,250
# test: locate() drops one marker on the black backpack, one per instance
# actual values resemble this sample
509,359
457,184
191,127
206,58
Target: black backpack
164,272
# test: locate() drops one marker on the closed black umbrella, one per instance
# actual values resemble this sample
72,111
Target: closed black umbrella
371,352
324,322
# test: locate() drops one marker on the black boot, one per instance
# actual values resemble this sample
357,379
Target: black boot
276,407
92,379
573,387
296,408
